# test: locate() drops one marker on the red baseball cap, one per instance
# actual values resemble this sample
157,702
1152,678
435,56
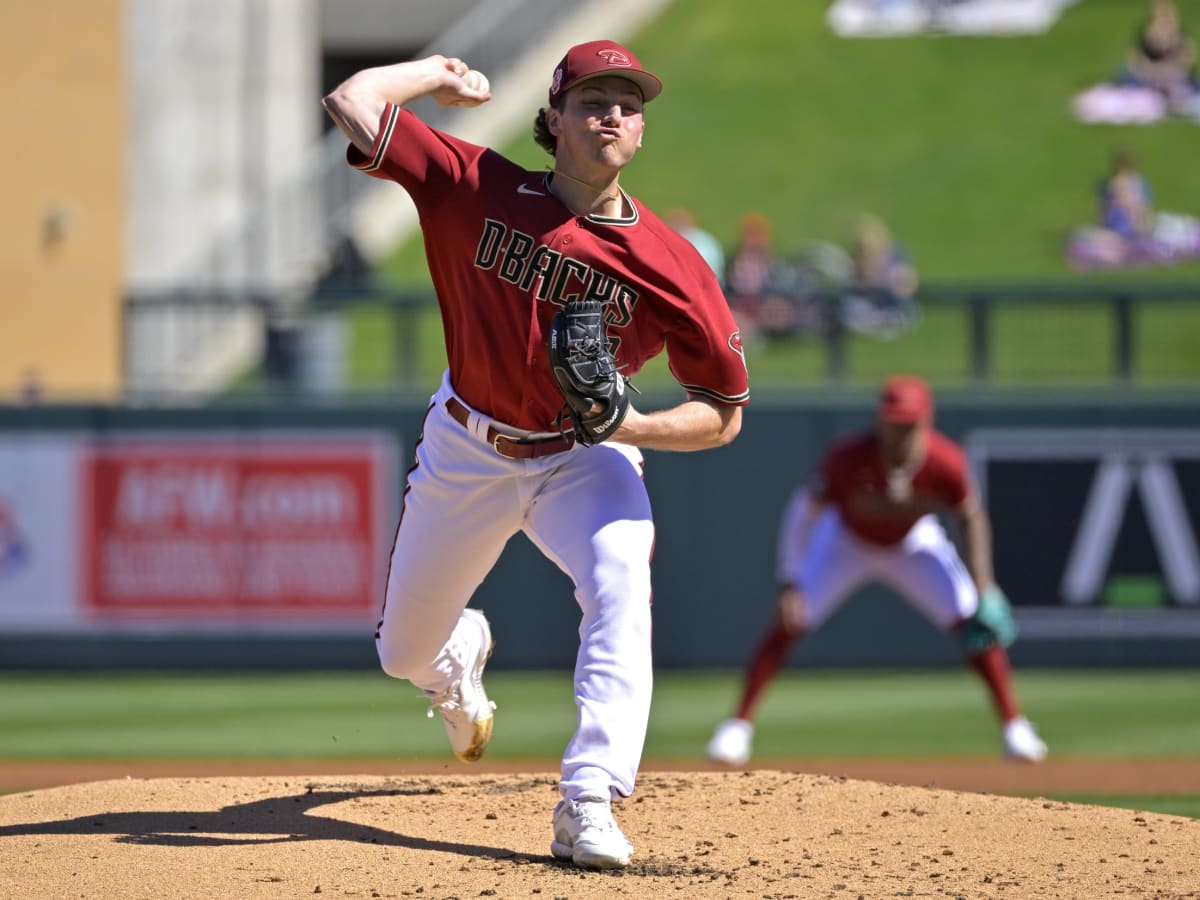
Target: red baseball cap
597,58
906,400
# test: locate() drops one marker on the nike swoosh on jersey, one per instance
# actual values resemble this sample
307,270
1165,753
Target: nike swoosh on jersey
524,189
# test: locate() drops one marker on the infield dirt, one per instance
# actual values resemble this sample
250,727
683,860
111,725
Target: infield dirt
462,832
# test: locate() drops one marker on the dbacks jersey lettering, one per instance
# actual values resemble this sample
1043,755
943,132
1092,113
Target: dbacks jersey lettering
559,278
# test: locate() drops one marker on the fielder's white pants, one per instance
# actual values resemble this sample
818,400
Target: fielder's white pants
924,568
587,510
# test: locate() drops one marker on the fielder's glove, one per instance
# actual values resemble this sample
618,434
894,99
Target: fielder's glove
586,372
992,624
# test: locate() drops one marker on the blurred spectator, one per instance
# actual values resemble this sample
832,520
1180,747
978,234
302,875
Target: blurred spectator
879,262
751,283
879,300
1163,57
1158,77
683,220
1128,231
1124,198
750,263
772,294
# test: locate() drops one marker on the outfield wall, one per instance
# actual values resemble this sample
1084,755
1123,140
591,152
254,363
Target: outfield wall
189,538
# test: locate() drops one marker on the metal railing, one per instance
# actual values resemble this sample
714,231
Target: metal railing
1127,308
1034,335
1114,333
1120,301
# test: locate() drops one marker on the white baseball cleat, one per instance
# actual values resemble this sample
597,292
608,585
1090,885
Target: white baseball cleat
1021,741
464,705
731,742
586,833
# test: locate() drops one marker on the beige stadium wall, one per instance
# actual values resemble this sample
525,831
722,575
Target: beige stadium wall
62,213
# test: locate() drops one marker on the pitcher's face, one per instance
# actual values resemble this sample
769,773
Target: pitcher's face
600,122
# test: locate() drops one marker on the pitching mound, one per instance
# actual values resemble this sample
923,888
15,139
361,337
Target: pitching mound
765,834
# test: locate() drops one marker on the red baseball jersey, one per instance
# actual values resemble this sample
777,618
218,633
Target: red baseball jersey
880,507
504,253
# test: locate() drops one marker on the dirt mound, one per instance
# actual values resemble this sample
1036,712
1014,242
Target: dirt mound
765,833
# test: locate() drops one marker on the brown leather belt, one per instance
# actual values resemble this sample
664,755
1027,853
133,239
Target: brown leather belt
513,447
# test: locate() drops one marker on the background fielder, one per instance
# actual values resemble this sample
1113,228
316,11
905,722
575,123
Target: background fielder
508,247
870,514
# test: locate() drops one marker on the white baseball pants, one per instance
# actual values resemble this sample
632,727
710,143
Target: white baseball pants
587,510
924,567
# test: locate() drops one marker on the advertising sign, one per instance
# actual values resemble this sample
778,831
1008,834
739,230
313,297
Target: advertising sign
251,527
255,530
1095,530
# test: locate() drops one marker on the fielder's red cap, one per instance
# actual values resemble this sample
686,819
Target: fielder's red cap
906,400
597,58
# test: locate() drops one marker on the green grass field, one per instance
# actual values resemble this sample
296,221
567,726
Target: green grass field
966,145
365,715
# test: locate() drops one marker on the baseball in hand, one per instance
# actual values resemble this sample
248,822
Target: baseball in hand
476,81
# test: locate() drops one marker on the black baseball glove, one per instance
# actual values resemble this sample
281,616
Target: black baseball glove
586,372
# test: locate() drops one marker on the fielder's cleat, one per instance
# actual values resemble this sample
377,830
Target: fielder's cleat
1021,741
464,705
731,742
586,833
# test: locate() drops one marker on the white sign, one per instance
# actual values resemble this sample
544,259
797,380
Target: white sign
39,527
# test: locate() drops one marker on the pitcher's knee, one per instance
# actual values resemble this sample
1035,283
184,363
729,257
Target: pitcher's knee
398,660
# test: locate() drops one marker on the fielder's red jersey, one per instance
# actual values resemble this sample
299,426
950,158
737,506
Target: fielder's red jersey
881,509
504,253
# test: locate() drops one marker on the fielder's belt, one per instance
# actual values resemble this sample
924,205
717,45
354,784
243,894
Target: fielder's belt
512,446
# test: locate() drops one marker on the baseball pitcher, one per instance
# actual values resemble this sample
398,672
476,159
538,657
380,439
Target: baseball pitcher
554,287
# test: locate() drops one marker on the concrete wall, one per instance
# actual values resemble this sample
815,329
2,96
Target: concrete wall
63,183
223,109
369,26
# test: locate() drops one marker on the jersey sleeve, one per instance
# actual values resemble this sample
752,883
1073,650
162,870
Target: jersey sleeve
704,345
955,479
424,161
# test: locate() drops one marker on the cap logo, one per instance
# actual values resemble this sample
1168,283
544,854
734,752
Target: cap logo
556,81
615,58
